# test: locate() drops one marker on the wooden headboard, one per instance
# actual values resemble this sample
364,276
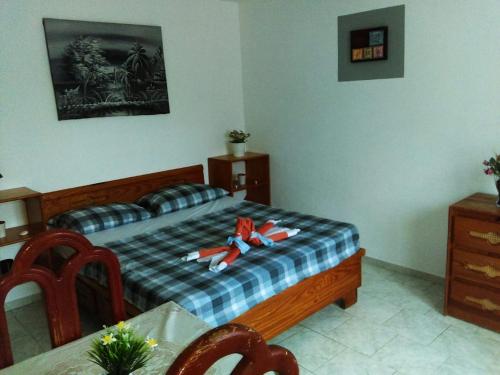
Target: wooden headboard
123,190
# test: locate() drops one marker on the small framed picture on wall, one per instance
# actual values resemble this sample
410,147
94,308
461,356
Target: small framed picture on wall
369,44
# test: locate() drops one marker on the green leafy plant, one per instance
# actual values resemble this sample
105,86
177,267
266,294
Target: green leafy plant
119,351
238,136
492,166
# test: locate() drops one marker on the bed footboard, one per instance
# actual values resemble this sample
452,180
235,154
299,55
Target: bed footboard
271,317
286,309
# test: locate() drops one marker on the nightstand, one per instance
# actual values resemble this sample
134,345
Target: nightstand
258,184
473,262
32,206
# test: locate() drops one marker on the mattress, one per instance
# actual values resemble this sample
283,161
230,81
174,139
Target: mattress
152,273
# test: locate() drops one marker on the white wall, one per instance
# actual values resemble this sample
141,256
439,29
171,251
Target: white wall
203,59
387,155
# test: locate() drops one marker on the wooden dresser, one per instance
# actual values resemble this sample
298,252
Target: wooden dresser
473,262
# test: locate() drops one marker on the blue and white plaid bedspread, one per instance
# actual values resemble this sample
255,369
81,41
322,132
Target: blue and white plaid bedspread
152,275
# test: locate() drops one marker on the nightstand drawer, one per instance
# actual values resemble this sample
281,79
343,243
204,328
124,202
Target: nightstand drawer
477,234
476,267
484,301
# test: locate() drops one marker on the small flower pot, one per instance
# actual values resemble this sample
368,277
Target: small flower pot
238,149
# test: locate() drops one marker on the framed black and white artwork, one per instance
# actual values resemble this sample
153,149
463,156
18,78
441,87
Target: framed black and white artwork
106,69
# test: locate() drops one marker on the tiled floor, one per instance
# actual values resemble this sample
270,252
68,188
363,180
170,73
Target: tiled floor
396,327
29,333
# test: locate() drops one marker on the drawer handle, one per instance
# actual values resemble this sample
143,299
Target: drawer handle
492,238
485,303
488,270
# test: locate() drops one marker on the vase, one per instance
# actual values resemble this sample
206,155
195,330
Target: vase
497,184
238,149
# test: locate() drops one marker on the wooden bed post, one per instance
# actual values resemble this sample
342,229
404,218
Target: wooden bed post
350,298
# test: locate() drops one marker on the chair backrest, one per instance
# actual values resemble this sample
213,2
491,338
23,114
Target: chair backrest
59,289
258,357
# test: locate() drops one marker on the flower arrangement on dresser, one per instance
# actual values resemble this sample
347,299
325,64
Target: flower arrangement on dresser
493,169
120,351
237,141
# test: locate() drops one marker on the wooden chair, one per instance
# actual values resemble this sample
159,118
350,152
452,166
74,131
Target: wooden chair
59,289
258,357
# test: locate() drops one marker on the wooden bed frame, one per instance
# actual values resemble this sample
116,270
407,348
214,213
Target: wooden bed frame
270,317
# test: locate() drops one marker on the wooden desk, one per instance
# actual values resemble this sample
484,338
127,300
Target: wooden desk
170,324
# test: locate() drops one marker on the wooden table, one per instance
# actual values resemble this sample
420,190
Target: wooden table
170,324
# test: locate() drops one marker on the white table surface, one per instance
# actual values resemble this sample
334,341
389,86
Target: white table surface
170,324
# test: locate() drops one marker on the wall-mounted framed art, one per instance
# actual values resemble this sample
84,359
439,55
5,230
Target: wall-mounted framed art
104,69
382,54
369,44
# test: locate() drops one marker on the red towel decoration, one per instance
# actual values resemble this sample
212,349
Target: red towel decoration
245,234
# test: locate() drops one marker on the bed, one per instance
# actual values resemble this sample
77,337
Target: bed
298,277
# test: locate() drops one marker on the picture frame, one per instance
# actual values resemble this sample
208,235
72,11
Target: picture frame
102,69
369,44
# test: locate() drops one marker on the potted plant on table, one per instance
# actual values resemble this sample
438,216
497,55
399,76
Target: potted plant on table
237,142
493,169
120,351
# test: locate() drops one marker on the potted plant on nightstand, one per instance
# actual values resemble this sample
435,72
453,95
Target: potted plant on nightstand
493,169
237,142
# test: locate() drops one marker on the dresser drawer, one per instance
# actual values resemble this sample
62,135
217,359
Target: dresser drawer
477,234
484,301
476,267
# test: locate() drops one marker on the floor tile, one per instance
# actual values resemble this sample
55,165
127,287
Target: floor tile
438,314
374,275
409,281
312,349
24,347
42,338
304,371
288,333
350,362
408,297
424,300
327,320
32,316
363,336
403,353
369,267
488,334
33,320
15,328
421,328
468,349
451,367
372,308
393,292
